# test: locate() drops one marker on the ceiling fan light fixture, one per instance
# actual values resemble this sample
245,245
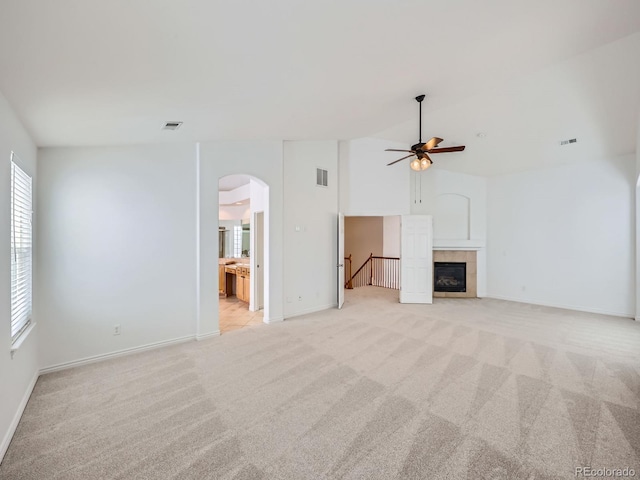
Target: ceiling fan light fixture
422,150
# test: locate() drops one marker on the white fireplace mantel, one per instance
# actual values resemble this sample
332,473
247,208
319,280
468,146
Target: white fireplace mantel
443,244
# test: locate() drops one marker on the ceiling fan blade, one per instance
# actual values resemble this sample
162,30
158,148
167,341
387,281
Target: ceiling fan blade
396,161
431,144
447,149
427,157
394,150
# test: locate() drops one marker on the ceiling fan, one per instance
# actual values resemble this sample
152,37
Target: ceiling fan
422,150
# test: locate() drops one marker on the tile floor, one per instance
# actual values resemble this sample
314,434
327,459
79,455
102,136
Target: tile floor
235,314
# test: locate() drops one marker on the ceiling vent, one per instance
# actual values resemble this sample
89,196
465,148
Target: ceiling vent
567,142
172,125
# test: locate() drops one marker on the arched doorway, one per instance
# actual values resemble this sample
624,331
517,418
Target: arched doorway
243,251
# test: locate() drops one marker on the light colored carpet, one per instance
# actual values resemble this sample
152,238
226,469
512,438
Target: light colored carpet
462,389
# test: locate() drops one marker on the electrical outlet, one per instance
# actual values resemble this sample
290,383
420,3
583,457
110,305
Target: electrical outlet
116,329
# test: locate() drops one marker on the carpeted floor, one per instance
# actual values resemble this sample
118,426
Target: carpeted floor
462,389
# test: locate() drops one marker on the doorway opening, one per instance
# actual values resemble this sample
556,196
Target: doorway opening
242,251
406,263
372,251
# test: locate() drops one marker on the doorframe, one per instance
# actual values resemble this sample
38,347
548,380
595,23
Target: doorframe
382,216
340,262
256,302
266,260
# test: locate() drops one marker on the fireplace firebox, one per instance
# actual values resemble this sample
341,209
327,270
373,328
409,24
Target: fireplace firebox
450,277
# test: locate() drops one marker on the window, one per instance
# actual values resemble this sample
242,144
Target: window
237,241
21,210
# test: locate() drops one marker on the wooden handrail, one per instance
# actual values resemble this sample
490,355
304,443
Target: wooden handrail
348,284
361,267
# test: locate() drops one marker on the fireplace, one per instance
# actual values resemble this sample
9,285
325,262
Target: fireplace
450,277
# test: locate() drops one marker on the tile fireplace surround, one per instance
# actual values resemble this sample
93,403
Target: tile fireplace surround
470,258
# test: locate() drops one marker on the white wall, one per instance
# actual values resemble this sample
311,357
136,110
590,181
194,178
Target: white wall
132,237
234,212
362,237
310,227
565,236
120,230
637,220
458,204
17,373
367,185
442,193
228,197
258,196
391,236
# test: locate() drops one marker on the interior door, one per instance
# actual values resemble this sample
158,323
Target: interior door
416,259
258,251
340,260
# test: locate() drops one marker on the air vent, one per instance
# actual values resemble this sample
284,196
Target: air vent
321,177
567,142
172,125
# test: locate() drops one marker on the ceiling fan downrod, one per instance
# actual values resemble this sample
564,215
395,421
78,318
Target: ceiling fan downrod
419,99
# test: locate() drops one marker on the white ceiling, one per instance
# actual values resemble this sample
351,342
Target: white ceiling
112,72
592,97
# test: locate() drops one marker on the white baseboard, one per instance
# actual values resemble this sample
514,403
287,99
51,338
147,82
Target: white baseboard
273,320
4,446
119,353
563,306
204,336
312,310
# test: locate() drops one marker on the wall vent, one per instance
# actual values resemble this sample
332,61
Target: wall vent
321,177
567,142
171,125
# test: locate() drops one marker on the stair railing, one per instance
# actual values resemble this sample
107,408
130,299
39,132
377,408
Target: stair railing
377,271
347,272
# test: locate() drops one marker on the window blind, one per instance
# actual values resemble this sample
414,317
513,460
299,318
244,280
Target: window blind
21,236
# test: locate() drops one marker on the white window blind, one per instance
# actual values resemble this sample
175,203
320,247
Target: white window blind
21,210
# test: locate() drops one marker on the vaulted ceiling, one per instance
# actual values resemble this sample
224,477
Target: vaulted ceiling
112,72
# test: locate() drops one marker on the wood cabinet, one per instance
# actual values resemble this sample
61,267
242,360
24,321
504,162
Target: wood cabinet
243,282
226,280
222,281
